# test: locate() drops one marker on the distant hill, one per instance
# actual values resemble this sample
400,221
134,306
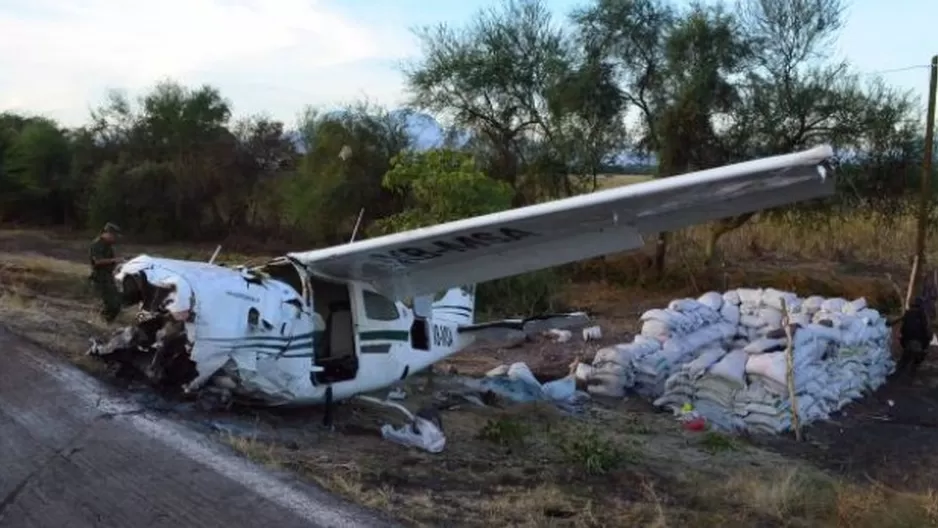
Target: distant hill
425,131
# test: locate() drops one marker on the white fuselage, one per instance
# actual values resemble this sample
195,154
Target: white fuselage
285,336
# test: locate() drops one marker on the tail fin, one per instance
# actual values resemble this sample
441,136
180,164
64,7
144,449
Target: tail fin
457,305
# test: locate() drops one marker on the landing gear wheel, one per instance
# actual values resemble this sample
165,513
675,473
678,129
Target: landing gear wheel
327,419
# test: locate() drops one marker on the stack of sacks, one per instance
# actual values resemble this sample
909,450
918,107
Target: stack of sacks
763,411
680,387
862,361
711,382
761,311
611,373
840,351
765,405
718,390
681,332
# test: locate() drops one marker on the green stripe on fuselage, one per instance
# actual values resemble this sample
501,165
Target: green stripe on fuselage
300,341
385,335
274,339
298,345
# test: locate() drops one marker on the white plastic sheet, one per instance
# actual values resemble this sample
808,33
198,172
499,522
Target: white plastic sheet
422,434
516,382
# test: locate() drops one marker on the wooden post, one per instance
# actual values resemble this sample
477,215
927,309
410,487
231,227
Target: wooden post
790,371
925,198
913,275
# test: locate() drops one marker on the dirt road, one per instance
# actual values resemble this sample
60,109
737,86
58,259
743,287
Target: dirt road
74,453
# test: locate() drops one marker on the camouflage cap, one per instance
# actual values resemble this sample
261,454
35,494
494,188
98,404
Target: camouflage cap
111,227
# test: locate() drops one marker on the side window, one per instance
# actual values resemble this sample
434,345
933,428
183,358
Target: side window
379,308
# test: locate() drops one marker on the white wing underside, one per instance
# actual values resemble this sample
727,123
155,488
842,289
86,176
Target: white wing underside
483,248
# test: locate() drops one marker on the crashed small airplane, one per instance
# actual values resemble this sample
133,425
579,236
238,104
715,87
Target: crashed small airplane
319,326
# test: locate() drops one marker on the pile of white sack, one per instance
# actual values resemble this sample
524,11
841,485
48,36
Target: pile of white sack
726,356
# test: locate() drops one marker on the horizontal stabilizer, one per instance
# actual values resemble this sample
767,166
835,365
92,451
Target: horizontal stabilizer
519,329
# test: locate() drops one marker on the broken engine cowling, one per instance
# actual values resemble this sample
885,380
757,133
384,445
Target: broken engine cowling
155,346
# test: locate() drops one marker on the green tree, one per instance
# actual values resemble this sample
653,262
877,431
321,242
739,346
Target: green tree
263,154
36,166
347,155
444,185
587,108
493,77
677,68
125,191
796,95
714,87
440,186
183,131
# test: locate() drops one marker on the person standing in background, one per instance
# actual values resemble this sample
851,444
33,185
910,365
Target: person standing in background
103,263
915,336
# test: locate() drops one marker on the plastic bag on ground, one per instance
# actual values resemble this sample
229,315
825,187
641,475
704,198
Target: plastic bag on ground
422,434
516,382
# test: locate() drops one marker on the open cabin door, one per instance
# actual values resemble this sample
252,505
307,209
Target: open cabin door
381,324
336,349
420,327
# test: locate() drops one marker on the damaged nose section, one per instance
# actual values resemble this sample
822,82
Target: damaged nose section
121,339
155,347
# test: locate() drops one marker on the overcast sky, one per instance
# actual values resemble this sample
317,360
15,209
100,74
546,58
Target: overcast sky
59,57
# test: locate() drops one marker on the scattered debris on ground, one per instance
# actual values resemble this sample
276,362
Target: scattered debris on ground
616,462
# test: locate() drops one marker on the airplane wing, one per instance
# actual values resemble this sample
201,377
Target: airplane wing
484,248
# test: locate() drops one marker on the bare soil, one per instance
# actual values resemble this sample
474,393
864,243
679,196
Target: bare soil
621,464
888,437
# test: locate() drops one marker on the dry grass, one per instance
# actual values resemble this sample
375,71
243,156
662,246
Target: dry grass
660,477
608,181
863,241
875,506
865,256
50,301
803,496
527,465
522,465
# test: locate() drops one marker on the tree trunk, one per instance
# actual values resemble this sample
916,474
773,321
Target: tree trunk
717,230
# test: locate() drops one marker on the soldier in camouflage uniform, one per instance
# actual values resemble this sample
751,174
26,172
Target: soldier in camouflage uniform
103,264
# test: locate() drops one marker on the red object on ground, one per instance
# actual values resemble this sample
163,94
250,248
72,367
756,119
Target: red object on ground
697,424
